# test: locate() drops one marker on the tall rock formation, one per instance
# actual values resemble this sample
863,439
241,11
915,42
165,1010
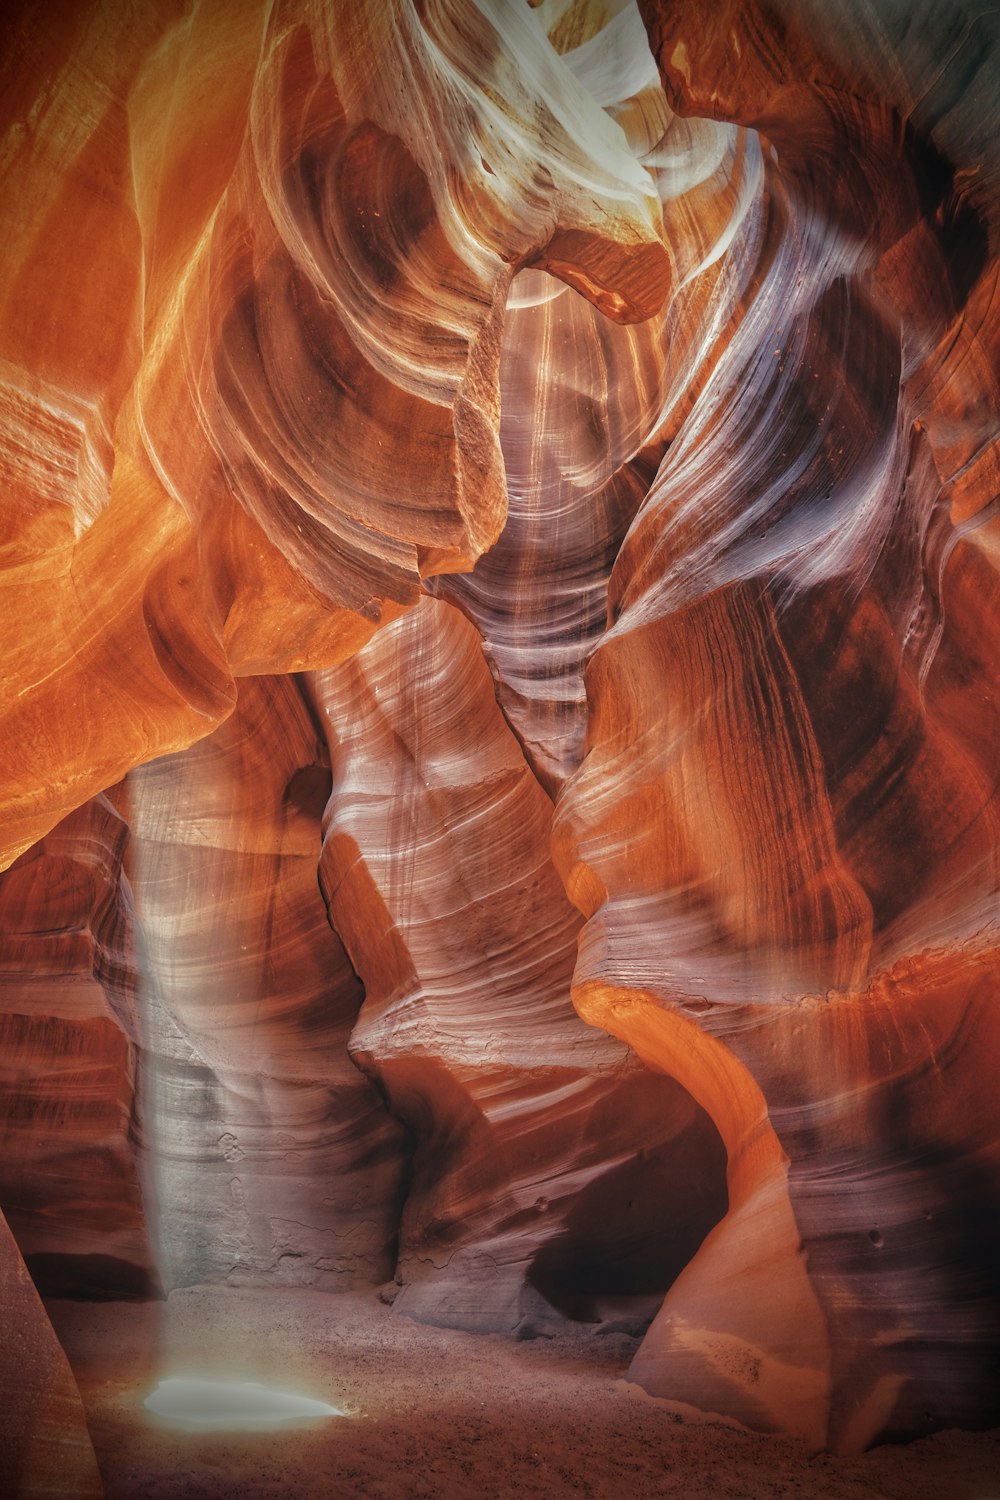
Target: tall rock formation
70,1062
784,829
698,734
551,1171
272,1159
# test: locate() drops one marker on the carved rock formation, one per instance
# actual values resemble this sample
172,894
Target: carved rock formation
784,829
70,1120
45,1449
219,398
703,739
273,1159
546,1157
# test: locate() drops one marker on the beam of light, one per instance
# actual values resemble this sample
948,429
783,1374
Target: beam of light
231,1406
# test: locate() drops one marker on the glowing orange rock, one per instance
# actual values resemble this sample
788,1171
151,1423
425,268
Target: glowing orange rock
552,1174
205,444
311,325
784,828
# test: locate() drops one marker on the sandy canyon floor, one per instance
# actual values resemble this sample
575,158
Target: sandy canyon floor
432,1413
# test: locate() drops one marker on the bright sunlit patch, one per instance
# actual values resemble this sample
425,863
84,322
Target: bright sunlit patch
231,1406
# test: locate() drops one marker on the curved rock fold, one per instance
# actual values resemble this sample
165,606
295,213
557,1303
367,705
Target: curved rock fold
499,697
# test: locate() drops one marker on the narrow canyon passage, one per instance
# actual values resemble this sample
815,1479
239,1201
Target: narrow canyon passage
500,722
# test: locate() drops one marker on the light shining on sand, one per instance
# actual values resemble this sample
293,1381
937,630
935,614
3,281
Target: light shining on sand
231,1406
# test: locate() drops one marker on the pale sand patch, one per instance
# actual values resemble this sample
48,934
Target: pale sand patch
437,1415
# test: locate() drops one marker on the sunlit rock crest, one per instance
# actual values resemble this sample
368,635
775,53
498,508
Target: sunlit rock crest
681,403
266,335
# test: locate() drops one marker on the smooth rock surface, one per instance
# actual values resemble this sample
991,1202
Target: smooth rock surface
553,1176
706,742
301,222
71,1046
274,1160
784,828
45,1448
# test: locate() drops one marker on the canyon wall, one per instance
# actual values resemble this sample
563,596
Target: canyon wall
500,790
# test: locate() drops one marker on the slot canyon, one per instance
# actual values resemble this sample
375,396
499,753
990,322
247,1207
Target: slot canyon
500,775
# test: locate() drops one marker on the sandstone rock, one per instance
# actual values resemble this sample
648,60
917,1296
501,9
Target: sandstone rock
273,1158
204,444
70,1090
45,1449
588,406
787,849
552,1174
290,304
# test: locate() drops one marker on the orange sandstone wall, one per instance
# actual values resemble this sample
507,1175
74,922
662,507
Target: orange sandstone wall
784,827
505,497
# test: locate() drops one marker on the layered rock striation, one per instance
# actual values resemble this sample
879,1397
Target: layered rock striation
273,1160
45,1448
500,518
264,333
551,1173
784,828
71,1086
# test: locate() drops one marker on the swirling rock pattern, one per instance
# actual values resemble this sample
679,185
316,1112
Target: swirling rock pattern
70,1052
550,1170
587,406
286,321
273,1158
740,629
785,825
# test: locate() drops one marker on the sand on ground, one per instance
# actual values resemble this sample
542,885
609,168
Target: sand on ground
433,1414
